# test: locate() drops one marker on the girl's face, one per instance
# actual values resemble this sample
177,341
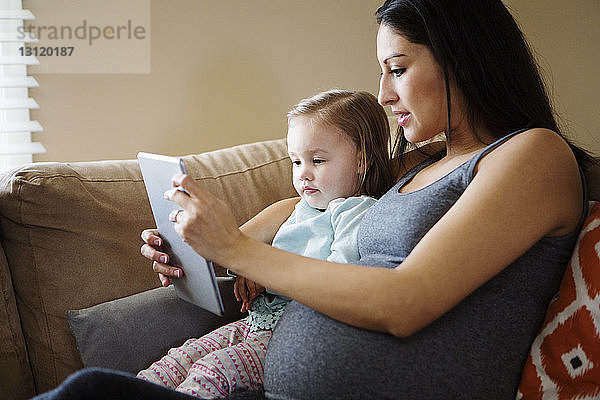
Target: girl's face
412,83
326,163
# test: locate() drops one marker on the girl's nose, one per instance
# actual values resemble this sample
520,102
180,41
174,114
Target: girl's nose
306,174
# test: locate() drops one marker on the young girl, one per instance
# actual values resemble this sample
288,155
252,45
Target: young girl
338,142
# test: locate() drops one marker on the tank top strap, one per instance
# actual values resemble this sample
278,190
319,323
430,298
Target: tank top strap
473,161
470,165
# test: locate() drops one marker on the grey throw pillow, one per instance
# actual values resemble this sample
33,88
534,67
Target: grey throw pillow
129,334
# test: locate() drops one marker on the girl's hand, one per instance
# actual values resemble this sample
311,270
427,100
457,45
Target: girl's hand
245,291
153,241
204,222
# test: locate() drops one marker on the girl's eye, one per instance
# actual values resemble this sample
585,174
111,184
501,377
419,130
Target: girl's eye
397,72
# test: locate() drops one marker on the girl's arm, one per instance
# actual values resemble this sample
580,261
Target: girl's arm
264,225
524,190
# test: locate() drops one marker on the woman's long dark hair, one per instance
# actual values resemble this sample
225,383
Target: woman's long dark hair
481,45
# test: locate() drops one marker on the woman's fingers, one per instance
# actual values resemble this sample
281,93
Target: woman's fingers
185,188
152,254
151,237
160,266
167,270
206,223
189,185
173,215
164,280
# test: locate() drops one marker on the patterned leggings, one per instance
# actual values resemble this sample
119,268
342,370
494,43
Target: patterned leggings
219,363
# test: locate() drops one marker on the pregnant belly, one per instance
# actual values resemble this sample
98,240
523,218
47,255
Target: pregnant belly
312,356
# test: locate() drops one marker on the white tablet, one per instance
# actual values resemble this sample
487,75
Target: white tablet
198,284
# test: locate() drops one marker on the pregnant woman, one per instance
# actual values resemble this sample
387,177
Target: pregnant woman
458,260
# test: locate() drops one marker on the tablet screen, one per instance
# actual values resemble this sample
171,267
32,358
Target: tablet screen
198,284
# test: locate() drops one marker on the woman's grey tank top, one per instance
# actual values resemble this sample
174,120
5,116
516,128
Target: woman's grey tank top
474,351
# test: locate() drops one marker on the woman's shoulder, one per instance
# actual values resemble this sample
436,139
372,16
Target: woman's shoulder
539,165
537,149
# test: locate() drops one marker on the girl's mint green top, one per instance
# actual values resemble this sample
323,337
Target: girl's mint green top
327,235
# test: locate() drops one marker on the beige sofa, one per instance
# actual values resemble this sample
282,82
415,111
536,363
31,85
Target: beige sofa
70,240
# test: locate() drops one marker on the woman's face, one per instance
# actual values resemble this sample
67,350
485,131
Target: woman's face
412,83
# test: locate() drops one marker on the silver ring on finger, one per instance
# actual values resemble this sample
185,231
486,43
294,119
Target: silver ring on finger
173,215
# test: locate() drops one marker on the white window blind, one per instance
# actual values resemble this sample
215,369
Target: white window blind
16,147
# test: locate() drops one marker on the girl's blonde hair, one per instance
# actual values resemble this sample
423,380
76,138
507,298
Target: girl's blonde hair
358,115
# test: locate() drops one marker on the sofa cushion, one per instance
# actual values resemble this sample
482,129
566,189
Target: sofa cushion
71,235
129,334
564,361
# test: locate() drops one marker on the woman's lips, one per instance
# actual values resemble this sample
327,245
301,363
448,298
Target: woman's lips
402,118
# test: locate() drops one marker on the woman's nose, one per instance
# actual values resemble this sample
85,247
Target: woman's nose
386,96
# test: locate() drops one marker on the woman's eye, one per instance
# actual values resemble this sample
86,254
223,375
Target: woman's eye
397,72
295,162
317,161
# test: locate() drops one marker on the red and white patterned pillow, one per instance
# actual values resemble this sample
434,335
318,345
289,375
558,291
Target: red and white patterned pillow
564,360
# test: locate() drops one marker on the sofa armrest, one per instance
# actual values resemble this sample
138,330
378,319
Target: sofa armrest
16,381
71,234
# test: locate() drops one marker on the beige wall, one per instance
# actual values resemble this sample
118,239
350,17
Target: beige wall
566,37
225,73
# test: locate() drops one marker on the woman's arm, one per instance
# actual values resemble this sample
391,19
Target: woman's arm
524,190
262,227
